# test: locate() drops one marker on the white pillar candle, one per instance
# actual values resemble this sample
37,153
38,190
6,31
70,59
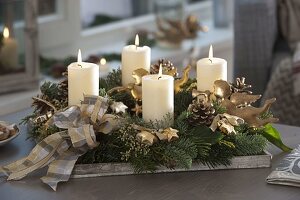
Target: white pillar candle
9,51
209,70
83,79
134,57
157,96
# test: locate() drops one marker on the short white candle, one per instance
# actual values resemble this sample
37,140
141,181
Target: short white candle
209,70
134,57
9,51
157,96
83,79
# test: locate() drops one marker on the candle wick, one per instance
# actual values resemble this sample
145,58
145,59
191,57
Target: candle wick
210,60
159,77
80,65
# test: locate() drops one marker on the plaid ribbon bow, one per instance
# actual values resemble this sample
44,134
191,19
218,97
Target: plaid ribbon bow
61,150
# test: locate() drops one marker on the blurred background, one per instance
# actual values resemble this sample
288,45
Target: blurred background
40,38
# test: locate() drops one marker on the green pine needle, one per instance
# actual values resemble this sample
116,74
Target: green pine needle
247,145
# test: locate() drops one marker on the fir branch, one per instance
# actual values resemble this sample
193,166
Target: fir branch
143,164
188,146
249,144
102,92
181,101
218,108
177,157
112,80
50,90
124,97
246,129
180,123
220,154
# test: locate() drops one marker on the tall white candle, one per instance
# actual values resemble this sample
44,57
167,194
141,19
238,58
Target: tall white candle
134,57
9,51
209,70
83,79
157,96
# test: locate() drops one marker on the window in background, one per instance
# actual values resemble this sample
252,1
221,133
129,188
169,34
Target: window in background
100,12
47,7
16,8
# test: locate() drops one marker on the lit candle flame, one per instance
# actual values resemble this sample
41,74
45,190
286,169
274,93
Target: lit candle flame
211,53
137,40
160,72
79,58
102,61
5,32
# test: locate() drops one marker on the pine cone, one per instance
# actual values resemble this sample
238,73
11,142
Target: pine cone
202,113
240,86
167,67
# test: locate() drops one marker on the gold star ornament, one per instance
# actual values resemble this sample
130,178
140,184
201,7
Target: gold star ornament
168,134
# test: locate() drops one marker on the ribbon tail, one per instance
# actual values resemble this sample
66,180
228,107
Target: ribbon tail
61,169
43,153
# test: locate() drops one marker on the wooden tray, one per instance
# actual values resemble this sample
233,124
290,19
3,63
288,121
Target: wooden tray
119,169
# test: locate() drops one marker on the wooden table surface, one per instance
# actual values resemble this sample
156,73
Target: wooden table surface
221,184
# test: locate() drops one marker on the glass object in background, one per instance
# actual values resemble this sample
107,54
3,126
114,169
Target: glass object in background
11,37
168,13
18,32
222,13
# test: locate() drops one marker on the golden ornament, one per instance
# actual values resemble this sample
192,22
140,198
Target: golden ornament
184,79
222,89
137,109
226,123
133,89
168,134
243,99
175,31
138,74
239,104
149,136
250,114
146,137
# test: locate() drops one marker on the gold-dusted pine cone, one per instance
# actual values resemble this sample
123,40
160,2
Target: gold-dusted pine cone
239,86
201,113
167,68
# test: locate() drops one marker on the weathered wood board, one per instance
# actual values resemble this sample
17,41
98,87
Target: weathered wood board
118,169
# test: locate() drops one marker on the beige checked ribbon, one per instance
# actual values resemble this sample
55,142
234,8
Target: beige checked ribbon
61,150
